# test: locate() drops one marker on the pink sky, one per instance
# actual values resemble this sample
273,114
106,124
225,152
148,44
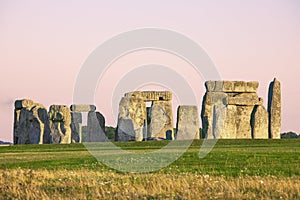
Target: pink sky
43,45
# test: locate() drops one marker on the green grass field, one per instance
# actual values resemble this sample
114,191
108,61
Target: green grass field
230,160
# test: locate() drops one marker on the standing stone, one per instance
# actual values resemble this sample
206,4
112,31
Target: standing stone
148,121
60,124
76,127
161,119
95,132
31,123
213,114
229,125
274,109
101,120
132,119
243,122
227,110
260,123
187,123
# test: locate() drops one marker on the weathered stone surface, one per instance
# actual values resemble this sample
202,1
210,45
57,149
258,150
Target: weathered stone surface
243,122
227,110
60,124
82,108
229,125
187,123
212,98
274,109
24,103
148,109
161,119
76,127
260,123
213,114
151,95
31,123
95,133
245,99
131,120
101,120
231,86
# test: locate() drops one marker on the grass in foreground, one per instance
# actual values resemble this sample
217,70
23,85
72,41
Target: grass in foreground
86,184
234,169
228,158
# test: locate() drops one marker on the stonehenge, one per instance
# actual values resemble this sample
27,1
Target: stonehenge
31,123
187,123
274,109
230,110
60,121
61,125
136,122
93,130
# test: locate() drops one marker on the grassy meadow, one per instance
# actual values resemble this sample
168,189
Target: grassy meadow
234,169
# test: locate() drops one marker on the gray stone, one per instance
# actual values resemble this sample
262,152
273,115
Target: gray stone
227,110
95,133
101,120
131,120
161,119
151,95
187,123
260,123
60,124
243,122
76,127
229,125
274,109
213,114
31,123
245,99
231,86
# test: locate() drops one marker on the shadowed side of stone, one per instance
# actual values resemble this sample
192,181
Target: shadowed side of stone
274,109
31,123
93,130
260,123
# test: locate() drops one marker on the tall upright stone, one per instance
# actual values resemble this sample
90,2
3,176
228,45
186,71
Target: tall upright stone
60,124
132,119
187,123
31,123
161,120
260,123
76,127
243,122
95,127
214,114
274,109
